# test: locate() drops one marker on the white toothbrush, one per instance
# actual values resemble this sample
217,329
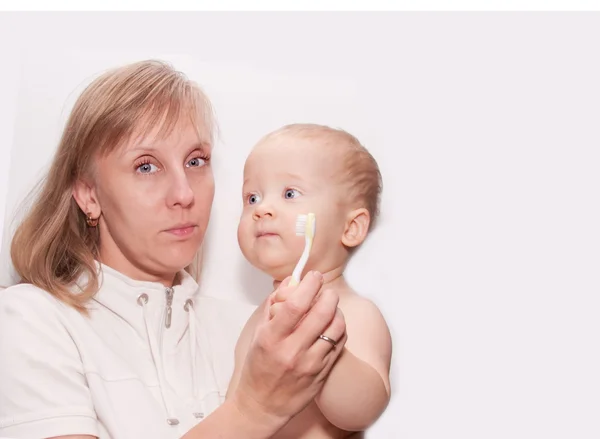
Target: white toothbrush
305,226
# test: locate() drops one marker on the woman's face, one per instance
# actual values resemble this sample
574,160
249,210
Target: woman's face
155,197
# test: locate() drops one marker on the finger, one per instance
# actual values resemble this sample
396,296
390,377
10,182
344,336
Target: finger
283,290
323,361
281,294
267,307
316,320
274,309
336,331
285,282
330,357
295,306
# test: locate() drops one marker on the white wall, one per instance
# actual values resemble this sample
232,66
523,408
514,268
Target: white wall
9,86
486,259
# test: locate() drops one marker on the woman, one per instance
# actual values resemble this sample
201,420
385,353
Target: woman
106,336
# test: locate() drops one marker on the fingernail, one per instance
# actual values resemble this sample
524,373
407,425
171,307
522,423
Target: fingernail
318,275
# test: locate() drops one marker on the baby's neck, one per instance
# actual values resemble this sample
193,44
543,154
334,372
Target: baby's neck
333,279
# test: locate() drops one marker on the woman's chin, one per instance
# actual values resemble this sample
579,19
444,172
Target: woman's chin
177,261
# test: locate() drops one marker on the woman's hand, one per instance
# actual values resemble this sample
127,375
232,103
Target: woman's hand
287,363
277,297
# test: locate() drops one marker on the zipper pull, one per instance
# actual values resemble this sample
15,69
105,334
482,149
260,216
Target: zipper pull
169,310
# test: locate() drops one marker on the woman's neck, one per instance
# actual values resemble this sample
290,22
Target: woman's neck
132,271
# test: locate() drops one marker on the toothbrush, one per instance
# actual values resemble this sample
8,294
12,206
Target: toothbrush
305,226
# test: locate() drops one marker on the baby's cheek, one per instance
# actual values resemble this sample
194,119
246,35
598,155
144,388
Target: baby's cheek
244,237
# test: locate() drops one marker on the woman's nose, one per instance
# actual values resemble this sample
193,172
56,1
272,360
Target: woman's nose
181,192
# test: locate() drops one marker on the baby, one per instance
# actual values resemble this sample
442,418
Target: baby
295,170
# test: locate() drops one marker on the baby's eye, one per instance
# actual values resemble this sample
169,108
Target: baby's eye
291,193
253,198
147,168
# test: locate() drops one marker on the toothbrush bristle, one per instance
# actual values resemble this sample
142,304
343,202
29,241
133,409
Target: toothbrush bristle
301,225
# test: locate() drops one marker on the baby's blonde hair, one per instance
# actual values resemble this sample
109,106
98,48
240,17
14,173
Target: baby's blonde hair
360,170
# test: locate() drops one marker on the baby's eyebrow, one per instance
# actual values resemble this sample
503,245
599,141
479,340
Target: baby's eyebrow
294,176
245,184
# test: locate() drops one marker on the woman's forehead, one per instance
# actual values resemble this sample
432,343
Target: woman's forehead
185,132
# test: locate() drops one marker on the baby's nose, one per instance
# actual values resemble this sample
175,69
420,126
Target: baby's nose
263,210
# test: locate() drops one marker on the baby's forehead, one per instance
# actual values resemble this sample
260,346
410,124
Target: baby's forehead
290,146
305,158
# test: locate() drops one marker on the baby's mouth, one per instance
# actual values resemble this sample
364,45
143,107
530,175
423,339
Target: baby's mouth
266,234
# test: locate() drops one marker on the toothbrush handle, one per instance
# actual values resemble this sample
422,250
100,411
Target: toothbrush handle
295,280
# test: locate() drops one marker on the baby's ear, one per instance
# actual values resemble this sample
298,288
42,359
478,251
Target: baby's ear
356,228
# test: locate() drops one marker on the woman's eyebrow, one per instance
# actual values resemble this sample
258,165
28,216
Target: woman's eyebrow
204,147
141,148
153,149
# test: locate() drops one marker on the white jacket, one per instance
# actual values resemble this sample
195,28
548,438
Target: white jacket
142,365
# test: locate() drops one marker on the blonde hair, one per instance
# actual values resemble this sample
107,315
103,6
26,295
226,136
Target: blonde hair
54,246
361,173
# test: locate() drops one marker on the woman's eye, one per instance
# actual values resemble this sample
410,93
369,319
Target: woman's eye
291,193
147,168
196,162
253,199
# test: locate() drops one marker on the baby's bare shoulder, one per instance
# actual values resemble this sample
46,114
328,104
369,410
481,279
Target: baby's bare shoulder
357,307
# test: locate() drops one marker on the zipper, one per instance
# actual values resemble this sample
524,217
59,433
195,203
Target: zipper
169,292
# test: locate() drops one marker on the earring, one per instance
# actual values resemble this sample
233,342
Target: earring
91,222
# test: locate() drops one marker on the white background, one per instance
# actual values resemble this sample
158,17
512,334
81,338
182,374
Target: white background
486,128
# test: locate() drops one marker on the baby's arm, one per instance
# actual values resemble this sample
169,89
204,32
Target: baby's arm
358,390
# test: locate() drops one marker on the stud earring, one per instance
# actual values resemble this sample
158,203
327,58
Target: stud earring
91,222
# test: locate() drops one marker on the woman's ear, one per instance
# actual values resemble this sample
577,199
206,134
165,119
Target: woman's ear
357,227
84,194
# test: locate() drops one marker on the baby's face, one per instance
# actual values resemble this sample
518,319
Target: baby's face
283,178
